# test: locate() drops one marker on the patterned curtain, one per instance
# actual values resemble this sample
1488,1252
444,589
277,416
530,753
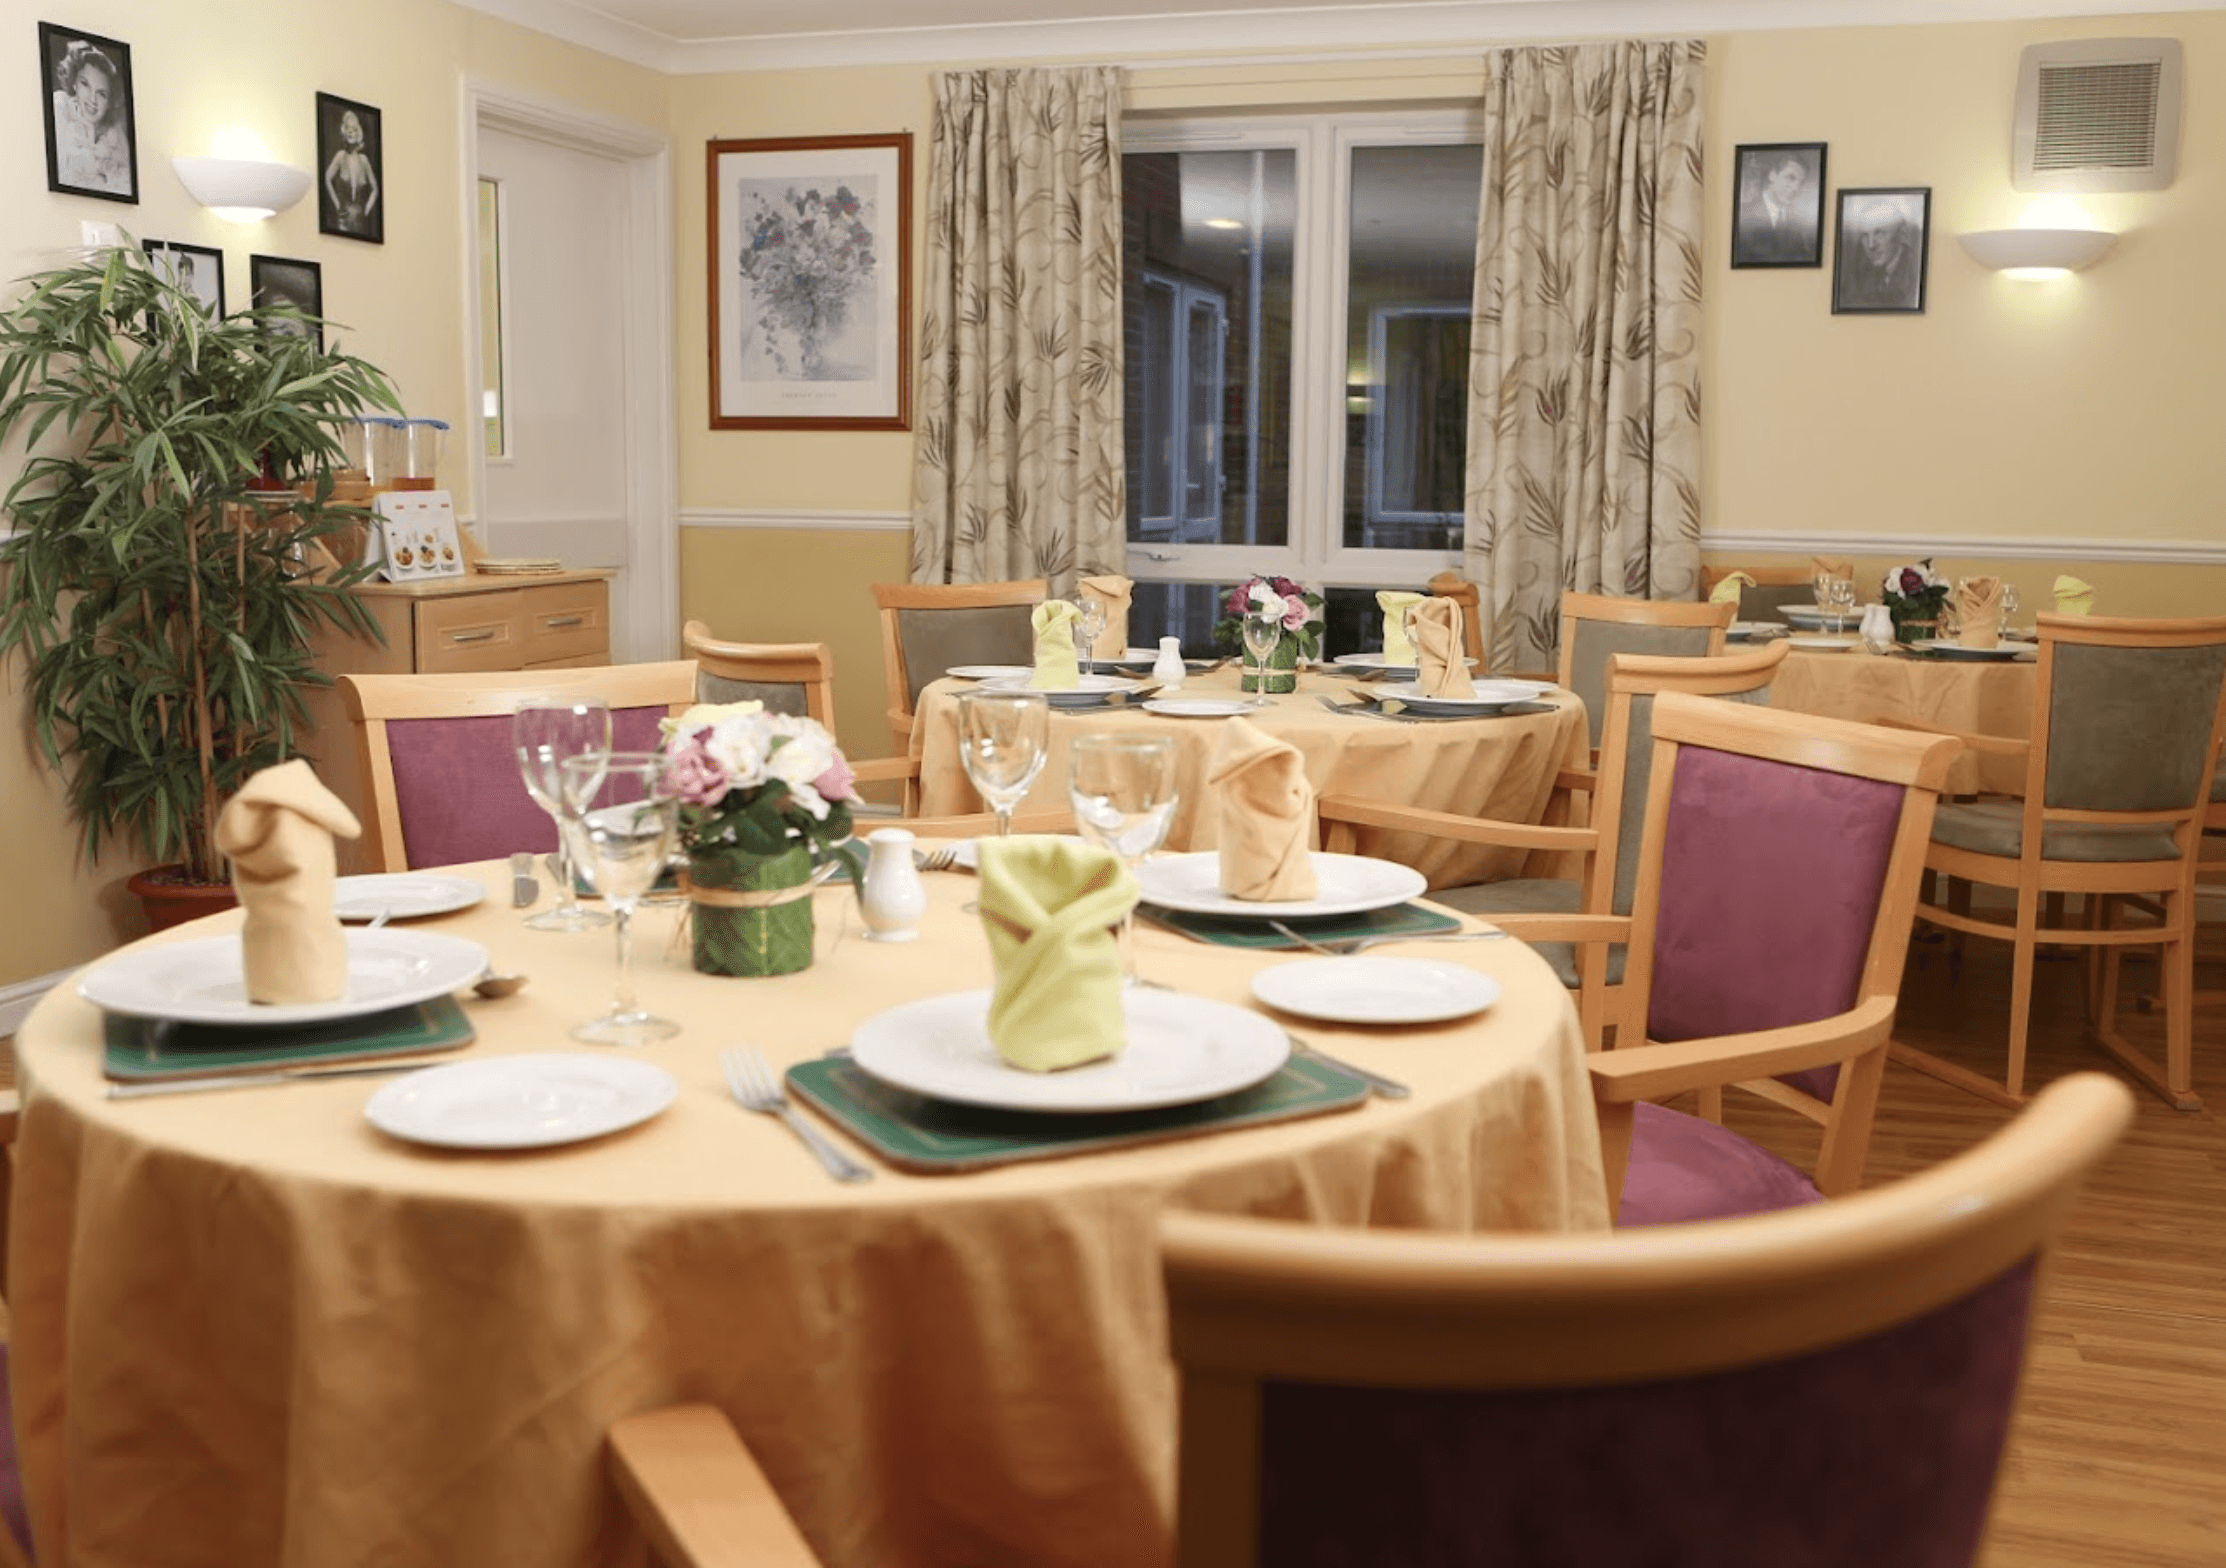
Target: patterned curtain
1584,366
1017,466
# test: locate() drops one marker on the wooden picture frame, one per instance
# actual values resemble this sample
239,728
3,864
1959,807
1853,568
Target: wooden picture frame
86,104
287,280
198,269
1777,217
1879,249
351,170
826,345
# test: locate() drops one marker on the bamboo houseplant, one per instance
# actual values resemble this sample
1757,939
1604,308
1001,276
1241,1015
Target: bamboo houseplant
154,583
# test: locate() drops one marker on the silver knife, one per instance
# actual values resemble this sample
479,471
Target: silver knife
523,888
155,1086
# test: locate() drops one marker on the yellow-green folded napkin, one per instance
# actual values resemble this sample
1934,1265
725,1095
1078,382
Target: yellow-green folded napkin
2074,597
1441,659
278,831
1056,666
1267,815
1727,591
1049,906
1395,602
1113,593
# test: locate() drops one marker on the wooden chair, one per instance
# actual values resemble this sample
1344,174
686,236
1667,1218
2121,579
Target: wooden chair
926,628
788,677
443,776
2127,718
1595,626
1773,587
1393,1397
1607,852
1452,585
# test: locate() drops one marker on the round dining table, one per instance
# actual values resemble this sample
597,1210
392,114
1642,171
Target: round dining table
251,1329
1974,697
1497,766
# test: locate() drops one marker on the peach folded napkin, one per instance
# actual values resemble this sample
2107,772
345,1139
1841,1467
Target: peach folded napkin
2074,597
278,831
1440,656
1049,906
1267,815
1395,602
1113,593
1057,668
1727,591
1978,611
1820,567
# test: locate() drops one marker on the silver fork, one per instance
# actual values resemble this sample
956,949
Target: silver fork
753,1084
1345,947
941,858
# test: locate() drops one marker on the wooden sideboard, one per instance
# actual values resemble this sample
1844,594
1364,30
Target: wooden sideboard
475,622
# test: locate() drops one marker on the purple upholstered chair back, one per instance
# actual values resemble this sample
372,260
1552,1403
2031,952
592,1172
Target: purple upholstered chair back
459,792
1882,1450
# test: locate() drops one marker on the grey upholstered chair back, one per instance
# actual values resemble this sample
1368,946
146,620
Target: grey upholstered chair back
935,640
1638,774
2129,729
1762,601
1595,641
778,696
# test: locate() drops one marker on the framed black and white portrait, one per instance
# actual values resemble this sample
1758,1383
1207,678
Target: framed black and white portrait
351,170
1779,219
197,269
92,147
1879,248
276,281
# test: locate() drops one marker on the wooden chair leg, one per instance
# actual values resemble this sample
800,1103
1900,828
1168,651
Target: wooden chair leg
2021,984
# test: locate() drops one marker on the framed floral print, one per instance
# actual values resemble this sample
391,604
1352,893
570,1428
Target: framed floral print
810,317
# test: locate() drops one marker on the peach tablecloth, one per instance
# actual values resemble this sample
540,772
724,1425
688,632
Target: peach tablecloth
1490,767
250,1330
1985,699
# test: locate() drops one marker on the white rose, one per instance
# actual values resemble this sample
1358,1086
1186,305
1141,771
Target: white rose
740,742
1267,604
802,751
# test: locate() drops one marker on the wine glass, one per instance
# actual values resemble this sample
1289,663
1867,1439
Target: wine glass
1124,795
1089,621
1261,634
1003,737
623,844
547,734
2009,603
1836,594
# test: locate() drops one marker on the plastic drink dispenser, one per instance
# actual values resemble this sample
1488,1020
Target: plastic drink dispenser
419,459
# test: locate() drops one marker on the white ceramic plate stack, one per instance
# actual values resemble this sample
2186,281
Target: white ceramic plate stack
205,982
1816,642
1344,885
1948,648
1364,990
521,1102
991,672
1815,618
519,565
1095,691
402,895
1486,696
1373,664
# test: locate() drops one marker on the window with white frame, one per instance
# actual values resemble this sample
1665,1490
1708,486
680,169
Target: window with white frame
1298,298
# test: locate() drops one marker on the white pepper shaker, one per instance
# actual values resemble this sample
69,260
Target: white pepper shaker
892,900
1167,669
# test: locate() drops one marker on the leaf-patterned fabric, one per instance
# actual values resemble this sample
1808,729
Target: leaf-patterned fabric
1584,367
1017,462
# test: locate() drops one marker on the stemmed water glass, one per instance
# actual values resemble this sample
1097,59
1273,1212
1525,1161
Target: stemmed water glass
1089,621
1836,594
1261,634
1124,795
1002,741
623,844
547,735
2009,603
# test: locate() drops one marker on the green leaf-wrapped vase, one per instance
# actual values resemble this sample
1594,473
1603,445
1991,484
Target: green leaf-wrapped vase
743,924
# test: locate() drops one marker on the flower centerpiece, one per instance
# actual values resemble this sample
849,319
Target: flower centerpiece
1914,596
1296,611
763,796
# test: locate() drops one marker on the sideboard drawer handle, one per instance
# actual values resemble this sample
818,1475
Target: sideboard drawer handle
553,622
486,635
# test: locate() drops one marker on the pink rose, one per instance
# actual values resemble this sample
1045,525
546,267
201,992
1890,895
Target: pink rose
1295,613
695,776
838,782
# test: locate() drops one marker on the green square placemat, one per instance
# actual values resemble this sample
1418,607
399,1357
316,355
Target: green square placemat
934,1137
153,1048
1254,931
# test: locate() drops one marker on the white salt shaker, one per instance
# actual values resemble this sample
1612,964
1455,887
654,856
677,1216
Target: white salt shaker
892,900
1167,669
1877,630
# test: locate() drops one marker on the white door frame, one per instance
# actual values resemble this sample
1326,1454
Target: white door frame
651,606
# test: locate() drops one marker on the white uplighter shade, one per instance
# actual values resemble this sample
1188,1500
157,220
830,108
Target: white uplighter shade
2037,251
243,190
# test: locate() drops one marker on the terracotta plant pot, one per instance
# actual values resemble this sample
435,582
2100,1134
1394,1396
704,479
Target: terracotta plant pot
171,900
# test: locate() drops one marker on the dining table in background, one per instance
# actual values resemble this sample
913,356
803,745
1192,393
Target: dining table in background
1495,766
1975,697
251,1330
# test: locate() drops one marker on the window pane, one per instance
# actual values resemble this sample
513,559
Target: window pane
1207,279
490,314
1411,267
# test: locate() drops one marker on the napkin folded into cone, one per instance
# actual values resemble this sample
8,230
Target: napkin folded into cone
1057,669
1441,658
1978,611
1395,602
1820,567
1727,591
2074,597
1267,815
1113,593
1048,908
278,832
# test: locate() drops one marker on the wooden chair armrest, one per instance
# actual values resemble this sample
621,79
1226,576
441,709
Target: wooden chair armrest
883,770
699,1496
1579,929
1653,1072
1999,745
1447,824
1577,781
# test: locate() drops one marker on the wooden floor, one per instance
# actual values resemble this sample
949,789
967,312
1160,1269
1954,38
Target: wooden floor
2119,1454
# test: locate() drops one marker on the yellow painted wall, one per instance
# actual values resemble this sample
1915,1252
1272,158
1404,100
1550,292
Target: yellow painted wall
258,64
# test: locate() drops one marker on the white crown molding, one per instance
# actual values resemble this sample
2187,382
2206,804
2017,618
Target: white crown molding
1147,39
17,999
815,522
2147,552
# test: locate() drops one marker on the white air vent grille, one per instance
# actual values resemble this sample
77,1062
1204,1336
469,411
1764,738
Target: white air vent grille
2099,114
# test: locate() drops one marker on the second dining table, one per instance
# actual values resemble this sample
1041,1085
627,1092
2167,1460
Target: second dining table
1971,696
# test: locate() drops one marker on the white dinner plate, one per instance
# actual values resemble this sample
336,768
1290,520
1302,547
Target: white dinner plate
1140,661
204,983
1344,885
1817,644
1363,990
1180,1049
521,1102
1093,692
1811,617
1375,661
990,672
1487,695
1201,707
1948,648
1748,631
402,895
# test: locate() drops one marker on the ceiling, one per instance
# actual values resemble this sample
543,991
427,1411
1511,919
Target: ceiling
693,36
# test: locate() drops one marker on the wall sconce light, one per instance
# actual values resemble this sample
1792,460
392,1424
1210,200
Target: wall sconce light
242,190
2038,253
